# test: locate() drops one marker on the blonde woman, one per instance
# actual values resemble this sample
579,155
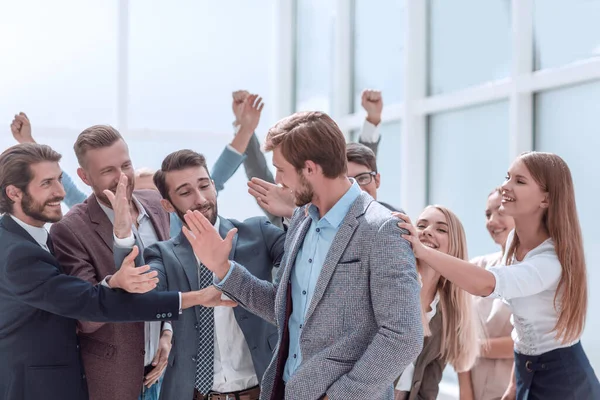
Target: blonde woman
542,278
450,325
491,374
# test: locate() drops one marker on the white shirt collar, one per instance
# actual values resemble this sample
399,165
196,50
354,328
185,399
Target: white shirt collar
40,235
110,213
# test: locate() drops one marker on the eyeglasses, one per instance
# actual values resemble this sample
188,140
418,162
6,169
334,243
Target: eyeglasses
365,178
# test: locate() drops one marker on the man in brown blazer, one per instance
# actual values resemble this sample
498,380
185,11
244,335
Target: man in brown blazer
122,361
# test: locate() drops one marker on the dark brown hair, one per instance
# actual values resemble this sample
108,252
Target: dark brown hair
95,137
313,136
15,168
177,161
362,155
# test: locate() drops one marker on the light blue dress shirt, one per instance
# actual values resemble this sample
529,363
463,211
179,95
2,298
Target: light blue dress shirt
72,194
307,268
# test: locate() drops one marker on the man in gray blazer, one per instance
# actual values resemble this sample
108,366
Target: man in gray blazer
224,352
346,298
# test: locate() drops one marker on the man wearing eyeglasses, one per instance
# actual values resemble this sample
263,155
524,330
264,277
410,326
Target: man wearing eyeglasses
362,166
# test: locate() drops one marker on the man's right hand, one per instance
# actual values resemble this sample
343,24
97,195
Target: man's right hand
239,97
120,205
372,102
208,297
132,279
21,129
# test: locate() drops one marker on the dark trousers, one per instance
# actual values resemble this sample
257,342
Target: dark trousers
560,374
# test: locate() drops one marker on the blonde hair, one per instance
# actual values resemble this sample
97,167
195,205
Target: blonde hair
461,326
553,176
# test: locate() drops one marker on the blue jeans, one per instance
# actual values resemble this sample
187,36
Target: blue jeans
153,392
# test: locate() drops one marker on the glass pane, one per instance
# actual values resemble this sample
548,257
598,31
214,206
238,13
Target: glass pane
315,23
378,49
566,31
59,62
469,43
567,123
182,75
468,158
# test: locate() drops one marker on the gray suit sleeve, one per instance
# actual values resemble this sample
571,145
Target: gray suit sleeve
153,258
225,166
255,165
396,303
372,145
119,254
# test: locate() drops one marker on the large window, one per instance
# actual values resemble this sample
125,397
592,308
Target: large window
378,48
469,43
566,31
315,22
567,123
467,160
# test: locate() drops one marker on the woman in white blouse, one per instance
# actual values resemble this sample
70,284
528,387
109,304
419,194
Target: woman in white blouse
450,323
542,278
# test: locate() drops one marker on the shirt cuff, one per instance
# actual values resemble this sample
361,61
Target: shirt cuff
180,310
219,283
369,133
236,129
167,325
231,148
125,242
104,283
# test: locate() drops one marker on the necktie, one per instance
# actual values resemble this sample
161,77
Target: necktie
206,338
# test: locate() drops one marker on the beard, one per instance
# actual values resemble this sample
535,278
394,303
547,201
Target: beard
305,193
209,210
35,210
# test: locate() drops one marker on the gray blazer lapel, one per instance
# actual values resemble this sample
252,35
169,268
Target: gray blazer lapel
338,246
288,266
224,227
184,253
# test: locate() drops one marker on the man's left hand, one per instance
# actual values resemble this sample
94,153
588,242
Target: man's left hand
160,360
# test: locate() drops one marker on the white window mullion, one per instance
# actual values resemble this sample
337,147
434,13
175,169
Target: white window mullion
413,173
123,66
521,101
342,95
284,77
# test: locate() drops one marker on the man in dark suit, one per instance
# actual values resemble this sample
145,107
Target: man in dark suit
222,351
39,303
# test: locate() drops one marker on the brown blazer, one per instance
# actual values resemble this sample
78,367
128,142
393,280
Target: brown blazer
429,366
113,354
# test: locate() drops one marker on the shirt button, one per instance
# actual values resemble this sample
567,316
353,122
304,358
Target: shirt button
194,359
310,260
143,352
294,356
300,326
197,327
318,230
304,292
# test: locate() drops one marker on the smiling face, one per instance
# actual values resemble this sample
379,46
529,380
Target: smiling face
287,176
521,194
497,223
433,229
40,202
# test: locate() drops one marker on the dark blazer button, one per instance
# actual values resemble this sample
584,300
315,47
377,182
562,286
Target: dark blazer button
169,315
194,359
143,352
157,315
197,327
164,315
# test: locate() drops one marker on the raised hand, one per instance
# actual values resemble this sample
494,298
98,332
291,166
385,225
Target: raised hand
272,198
120,205
250,116
21,129
132,279
161,358
207,244
372,102
239,97
413,236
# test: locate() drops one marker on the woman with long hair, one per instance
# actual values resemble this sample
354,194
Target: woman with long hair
450,323
542,278
490,376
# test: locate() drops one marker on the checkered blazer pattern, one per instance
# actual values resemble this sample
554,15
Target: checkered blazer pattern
363,325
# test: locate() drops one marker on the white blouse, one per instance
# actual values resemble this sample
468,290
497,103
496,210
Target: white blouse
528,288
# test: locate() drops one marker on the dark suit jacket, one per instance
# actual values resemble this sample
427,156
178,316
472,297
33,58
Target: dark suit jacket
113,354
39,308
259,246
430,365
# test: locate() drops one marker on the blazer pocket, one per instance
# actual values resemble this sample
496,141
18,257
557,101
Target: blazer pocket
56,380
97,348
350,262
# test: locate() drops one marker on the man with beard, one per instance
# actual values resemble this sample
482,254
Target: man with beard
346,298
39,303
222,351
122,361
